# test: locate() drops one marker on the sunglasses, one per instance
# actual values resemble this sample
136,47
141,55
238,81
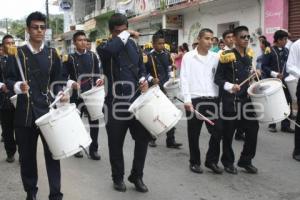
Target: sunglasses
37,27
244,37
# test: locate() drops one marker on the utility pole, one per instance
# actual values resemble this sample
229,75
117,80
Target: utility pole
6,25
47,13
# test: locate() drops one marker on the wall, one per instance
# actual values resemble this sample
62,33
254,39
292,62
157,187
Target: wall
209,15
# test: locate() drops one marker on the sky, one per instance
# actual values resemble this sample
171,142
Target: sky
18,9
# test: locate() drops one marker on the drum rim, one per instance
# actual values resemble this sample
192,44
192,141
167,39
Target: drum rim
251,94
40,121
292,80
92,90
133,107
172,86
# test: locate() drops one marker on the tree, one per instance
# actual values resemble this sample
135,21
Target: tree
56,24
17,28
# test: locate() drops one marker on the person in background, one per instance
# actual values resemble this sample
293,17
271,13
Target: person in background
221,45
215,48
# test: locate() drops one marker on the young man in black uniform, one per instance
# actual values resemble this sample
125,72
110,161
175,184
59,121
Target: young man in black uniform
41,67
82,70
7,109
159,66
123,67
235,67
274,66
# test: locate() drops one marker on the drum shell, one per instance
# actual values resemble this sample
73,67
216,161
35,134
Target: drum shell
64,131
172,87
94,100
291,83
274,104
155,111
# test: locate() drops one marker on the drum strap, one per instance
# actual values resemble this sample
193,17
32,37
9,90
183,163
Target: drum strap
277,58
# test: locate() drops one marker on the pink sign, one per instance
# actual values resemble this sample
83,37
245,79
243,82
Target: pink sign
275,17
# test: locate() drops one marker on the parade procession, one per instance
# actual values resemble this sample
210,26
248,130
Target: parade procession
74,83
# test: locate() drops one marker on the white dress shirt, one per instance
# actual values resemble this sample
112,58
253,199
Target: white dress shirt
293,62
197,75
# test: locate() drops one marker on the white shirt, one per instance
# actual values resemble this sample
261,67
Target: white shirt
288,44
33,50
293,62
197,75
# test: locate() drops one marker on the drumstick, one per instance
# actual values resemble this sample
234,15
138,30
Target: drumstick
245,81
292,121
57,99
139,87
154,67
20,67
198,113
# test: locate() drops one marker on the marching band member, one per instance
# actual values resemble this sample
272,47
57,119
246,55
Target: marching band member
82,69
7,109
159,66
234,67
274,66
293,67
41,67
123,67
201,93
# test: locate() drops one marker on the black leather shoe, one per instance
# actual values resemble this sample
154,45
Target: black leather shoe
152,143
214,167
79,155
231,169
288,130
120,186
296,157
249,168
174,145
139,184
273,129
10,159
95,156
196,169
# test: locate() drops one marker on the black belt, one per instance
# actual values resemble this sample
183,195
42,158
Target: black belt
206,97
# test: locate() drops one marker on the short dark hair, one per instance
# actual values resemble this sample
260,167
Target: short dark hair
117,19
280,34
262,37
38,16
158,35
203,31
77,34
7,36
266,43
227,32
239,29
88,40
185,46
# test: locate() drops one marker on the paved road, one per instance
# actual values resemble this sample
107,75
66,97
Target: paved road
167,174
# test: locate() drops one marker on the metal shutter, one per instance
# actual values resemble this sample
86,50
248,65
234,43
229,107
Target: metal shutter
294,18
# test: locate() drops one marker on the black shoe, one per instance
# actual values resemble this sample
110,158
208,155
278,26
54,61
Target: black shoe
249,168
139,184
10,159
287,130
296,157
95,156
214,167
196,169
231,169
79,155
174,145
120,186
273,129
239,137
152,143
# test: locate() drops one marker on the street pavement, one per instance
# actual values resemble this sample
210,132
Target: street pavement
167,173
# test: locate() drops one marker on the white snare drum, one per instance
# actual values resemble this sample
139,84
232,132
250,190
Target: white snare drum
269,100
155,111
94,100
292,82
172,88
13,100
64,131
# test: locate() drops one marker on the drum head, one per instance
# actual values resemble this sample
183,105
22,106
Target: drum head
172,84
94,89
265,87
290,78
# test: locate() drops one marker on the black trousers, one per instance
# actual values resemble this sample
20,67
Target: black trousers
297,133
117,124
170,136
94,126
251,130
8,131
27,138
194,125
